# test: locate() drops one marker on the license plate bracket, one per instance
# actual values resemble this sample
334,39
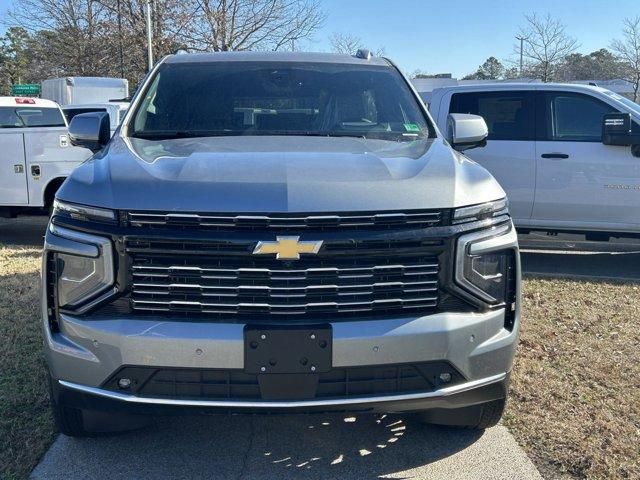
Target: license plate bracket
288,349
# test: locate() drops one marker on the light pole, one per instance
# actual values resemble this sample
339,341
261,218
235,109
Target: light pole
149,35
120,47
522,39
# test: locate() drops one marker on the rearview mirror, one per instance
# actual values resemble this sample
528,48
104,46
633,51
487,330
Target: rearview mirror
466,131
90,130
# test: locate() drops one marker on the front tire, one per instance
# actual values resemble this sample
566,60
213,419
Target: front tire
69,421
476,417
75,422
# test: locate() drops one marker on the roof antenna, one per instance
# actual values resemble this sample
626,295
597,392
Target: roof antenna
364,54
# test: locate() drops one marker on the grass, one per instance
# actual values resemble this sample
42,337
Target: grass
26,427
575,399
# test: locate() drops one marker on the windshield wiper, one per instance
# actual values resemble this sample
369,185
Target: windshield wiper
171,134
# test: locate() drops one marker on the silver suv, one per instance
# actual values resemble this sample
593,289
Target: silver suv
279,232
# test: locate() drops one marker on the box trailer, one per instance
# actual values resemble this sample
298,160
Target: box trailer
84,90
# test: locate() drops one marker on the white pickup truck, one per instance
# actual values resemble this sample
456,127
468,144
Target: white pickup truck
35,153
568,156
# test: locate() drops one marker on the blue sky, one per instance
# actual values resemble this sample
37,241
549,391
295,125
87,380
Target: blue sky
457,36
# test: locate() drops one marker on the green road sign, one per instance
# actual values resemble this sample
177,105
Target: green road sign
26,90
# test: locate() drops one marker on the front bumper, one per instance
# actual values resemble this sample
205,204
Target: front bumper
85,353
459,396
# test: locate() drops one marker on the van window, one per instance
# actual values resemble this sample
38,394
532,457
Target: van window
574,117
509,115
16,117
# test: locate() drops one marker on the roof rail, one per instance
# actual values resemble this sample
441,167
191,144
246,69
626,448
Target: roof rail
364,54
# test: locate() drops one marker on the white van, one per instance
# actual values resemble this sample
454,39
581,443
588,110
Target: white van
35,153
547,149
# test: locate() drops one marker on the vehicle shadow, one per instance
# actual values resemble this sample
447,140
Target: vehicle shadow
602,266
276,446
23,231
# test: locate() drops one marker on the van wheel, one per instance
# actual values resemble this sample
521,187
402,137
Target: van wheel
477,417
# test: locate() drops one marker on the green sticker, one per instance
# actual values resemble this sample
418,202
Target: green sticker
411,127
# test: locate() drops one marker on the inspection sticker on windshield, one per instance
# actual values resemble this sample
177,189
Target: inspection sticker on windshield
411,127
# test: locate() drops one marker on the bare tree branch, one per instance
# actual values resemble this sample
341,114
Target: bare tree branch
545,45
345,43
628,51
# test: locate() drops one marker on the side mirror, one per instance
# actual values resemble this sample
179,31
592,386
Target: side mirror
466,131
616,129
90,130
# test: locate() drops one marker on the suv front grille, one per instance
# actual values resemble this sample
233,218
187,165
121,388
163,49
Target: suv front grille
275,221
174,277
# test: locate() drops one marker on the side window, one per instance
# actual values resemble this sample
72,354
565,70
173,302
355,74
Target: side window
40,117
575,117
9,118
510,115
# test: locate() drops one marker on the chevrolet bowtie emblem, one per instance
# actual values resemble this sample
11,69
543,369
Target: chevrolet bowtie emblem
287,248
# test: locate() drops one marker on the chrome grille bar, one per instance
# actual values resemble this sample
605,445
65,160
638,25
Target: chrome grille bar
426,218
319,307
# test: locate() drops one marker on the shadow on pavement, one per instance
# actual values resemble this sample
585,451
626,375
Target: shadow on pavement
272,447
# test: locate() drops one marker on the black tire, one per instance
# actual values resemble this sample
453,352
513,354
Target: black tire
69,421
477,417
75,422
491,414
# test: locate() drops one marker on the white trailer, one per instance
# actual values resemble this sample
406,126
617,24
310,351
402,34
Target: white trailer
35,153
84,90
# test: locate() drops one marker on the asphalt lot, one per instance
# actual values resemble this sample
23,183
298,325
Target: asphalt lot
320,446
572,256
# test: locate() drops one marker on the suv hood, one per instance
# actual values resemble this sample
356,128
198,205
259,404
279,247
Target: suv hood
278,174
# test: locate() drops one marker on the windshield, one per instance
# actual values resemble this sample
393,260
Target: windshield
279,98
17,117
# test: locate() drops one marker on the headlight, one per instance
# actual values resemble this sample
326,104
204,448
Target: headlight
79,278
481,211
83,265
83,212
486,264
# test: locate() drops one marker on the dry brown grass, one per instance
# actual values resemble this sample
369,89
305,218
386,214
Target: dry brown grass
575,398
575,402
26,427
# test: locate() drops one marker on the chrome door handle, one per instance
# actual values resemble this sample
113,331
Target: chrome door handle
18,168
556,156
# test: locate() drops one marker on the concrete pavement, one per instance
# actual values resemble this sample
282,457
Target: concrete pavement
290,446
